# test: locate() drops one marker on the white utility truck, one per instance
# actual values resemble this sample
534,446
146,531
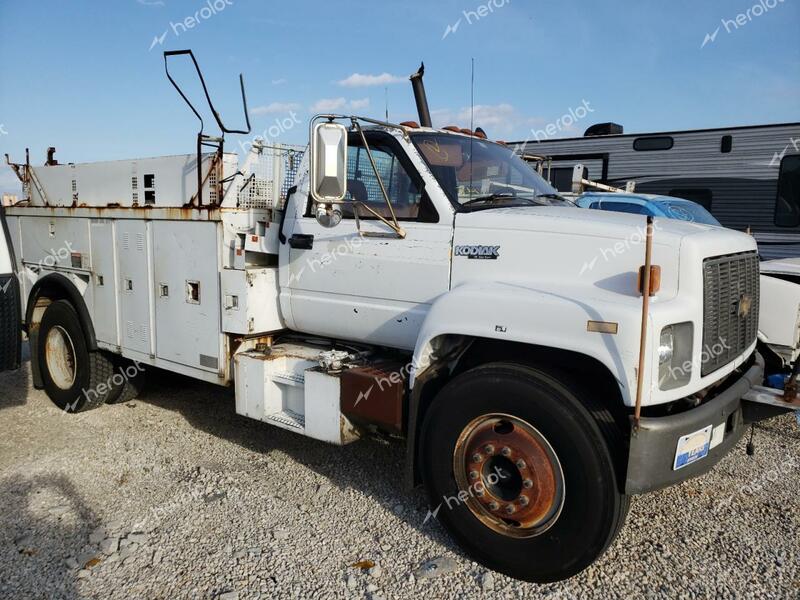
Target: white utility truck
417,282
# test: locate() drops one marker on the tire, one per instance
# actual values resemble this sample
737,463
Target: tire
573,507
133,381
74,378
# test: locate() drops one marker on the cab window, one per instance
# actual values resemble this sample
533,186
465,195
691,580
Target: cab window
403,186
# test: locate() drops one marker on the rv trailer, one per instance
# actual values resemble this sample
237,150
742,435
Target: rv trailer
747,177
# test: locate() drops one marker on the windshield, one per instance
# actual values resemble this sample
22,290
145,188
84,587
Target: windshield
478,173
687,211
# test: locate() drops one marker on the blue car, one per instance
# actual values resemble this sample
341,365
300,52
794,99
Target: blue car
648,204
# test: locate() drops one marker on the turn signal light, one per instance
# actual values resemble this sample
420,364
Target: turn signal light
655,279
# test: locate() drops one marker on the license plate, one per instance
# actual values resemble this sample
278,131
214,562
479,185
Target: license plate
692,447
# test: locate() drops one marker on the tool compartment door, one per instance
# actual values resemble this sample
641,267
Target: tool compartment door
187,296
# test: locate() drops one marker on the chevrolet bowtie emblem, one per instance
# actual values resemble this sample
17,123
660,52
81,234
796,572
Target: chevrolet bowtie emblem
745,304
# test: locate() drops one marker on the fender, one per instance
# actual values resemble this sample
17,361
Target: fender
520,314
58,286
516,313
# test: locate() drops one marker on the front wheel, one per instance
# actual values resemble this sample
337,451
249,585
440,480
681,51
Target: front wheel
75,378
523,475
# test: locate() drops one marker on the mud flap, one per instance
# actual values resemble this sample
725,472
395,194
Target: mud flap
10,321
10,308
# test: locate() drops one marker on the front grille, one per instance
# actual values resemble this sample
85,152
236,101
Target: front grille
730,308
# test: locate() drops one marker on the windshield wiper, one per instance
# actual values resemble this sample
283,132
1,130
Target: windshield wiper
556,197
499,196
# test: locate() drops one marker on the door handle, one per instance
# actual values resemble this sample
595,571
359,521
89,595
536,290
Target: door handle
302,241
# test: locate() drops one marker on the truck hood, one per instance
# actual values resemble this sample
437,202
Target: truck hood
556,248
575,221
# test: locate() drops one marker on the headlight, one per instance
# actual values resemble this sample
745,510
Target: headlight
675,356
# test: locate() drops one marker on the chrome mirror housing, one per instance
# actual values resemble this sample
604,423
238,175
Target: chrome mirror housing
328,163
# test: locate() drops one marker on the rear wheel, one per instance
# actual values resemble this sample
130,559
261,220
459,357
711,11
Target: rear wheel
74,378
128,380
523,475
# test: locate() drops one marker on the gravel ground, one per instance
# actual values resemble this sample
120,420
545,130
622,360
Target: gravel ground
174,495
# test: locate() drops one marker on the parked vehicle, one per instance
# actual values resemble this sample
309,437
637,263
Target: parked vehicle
747,177
648,204
414,282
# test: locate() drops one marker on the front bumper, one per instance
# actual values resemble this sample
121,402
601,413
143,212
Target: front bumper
654,444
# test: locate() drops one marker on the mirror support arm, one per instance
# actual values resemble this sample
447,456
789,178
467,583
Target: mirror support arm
394,224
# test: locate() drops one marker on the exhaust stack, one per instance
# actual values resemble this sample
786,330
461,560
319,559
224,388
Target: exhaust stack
420,97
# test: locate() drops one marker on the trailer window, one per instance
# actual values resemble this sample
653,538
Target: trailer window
561,178
726,144
787,207
646,144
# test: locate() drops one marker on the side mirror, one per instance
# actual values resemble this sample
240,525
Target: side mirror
328,163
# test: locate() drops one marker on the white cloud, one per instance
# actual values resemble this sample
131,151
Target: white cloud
275,107
494,118
359,104
359,80
328,105
280,81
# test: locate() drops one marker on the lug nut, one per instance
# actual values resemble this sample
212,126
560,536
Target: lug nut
528,484
473,474
520,464
510,509
489,449
523,500
506,451
479,493
493,506
477,458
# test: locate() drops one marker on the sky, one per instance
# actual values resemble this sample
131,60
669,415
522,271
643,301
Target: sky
88,76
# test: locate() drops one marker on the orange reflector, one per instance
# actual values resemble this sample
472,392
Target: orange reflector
410,124
655,280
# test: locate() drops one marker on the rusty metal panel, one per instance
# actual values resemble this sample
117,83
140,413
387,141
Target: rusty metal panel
375,395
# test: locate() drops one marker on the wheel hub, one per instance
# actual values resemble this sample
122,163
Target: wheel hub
60,358
511,474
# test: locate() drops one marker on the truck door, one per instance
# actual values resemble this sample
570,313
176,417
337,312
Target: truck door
373,289
10,320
